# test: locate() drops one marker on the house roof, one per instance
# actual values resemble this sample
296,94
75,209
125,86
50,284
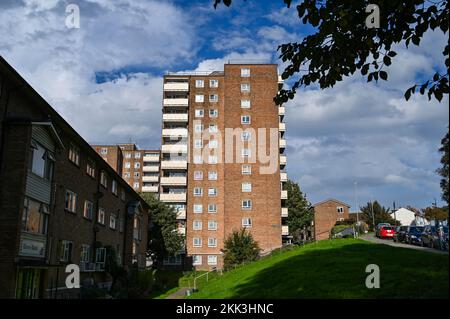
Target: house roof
331,200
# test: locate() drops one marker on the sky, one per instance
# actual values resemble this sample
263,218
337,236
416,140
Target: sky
105,79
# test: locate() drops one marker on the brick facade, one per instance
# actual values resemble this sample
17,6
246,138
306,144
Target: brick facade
326,214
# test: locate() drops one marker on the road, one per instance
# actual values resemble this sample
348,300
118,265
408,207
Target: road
390,242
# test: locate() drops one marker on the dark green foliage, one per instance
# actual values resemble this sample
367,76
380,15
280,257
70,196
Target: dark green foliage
381,215
300,212
239,248
342,44
444,170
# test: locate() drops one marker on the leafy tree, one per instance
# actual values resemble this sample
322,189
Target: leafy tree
343,44
380,213
436,213
300,212
239,247
164,239
443,171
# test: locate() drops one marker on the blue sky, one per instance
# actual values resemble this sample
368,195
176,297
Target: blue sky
111,69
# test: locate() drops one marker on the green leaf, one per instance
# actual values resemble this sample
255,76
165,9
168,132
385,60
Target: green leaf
383,75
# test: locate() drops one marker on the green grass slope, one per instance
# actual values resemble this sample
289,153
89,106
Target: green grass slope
335,269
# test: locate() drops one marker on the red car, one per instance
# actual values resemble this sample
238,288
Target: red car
386,232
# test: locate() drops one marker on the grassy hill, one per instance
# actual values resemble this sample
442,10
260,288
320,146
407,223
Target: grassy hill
335,269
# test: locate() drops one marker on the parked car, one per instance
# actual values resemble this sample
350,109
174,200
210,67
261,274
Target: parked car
381,225
430,237
413,235
386,232
400,234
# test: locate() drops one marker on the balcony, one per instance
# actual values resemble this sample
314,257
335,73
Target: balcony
151,168
285,230
172,197
282,143
167,164
176,86
176,102
150,178
281,110
150,158
282,127
182,230
183,132
175,117
283,177
150,189
181,214
174,148
284,194
283,160
284,212
173,181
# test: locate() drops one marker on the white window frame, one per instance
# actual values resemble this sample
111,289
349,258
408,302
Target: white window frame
213,128
198,143
245,87
71,201
137,165
197,225
198,191
212,225
212,192
246,104
246,119
198,175
212,260
213,113
340,209
127,165
137,155
101,216
213,98
213,83
199,242
246,136
212,242
198,208
198,128
210,210
246,204
247,222
113,222
212,159
114,187
246,169
88,213
246,187
212,175
199,98
245,72
198,159
246,152
197,260
199,83
199,112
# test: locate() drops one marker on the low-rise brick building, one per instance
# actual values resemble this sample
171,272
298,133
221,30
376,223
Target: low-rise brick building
60,202
326,214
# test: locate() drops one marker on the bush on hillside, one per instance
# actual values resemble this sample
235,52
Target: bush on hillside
239,248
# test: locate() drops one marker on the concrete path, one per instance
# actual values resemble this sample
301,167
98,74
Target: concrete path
390,242
179,294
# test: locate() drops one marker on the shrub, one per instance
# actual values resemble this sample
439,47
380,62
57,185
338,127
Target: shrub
239,248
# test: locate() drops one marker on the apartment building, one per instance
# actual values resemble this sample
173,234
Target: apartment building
326,214
140,168
213,169
60,202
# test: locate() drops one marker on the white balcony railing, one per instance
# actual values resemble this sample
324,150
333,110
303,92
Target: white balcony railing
283,159
285,230
150,178
282,143
182,230
284,212
176,102
165,164
284,194
176,86
149,158
283,177
152,168
281,110
183,132
150,189
175,197
173,181
174,148
282,126
181,214
175,117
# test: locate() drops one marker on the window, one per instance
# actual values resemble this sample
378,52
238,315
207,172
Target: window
104,150
66,251
197,225
88,211
199,98
245,87
213,83
198,143
198,175
136,185
212,260
198,191
245,73
199,83
246,169
213,144
212,175
103,179
101,216
212,242
246,152
137,165
245,119
198,208
114,187
213,128
212,159
197,242
212,191
71,201
42,161
127,175
245,136
112,221
198,159
213,98
127,155
212,208
127,164
213,113
90,168
246,204
100,257
212,225
197,260
136,174
245,104
198,128
340,210
246,222
246,187
137,155
74,154
199,113
35,217
85,254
